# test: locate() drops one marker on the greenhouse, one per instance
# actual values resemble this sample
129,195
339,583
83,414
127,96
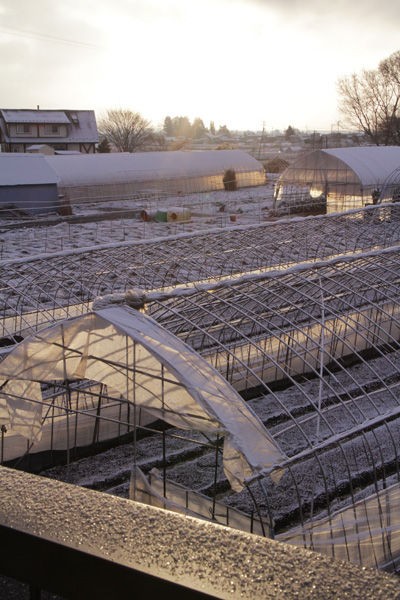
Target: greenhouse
48,287
27,184
83,178
338,179
271,351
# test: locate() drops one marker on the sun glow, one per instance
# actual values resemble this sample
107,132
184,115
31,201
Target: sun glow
240,63
193,66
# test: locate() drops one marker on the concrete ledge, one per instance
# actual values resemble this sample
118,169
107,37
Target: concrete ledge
80,543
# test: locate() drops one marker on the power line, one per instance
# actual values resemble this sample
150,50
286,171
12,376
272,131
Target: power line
46,37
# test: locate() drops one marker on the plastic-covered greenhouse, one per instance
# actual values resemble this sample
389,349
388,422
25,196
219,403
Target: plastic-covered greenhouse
281,338
118,175
338,179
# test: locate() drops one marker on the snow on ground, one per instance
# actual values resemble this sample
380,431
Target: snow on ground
218,209
188,463
194,467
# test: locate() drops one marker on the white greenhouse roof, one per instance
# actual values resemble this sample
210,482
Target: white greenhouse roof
117,167
372,164
24,169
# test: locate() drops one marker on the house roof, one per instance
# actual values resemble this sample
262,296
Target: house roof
90,169
82,124
25,169
34,116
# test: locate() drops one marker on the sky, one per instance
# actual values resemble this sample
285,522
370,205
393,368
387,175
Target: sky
246,64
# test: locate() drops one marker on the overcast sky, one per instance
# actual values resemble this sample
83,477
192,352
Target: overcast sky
243,63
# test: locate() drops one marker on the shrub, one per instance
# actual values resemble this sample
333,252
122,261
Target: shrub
229,179
104,146
276,165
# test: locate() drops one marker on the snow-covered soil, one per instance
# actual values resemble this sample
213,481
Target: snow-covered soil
63,283
346,468
219,209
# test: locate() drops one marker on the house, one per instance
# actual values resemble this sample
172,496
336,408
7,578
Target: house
62,130
27,185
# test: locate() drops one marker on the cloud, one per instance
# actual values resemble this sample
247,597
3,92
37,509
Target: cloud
162,57
47,21
385,11
327,6
49,55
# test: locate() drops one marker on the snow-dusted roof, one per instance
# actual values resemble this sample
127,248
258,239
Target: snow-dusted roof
117,167
84,126
37,146
66,152
34,116
372,164
25,169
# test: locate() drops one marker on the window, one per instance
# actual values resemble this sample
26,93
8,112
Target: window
23,128
52,129
74,118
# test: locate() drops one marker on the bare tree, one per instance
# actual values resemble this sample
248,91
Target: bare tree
371,101
128,131
390,69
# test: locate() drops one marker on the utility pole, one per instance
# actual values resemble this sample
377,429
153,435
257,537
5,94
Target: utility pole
262,141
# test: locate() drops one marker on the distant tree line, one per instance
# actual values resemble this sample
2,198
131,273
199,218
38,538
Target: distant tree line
371,101
127,131
182,127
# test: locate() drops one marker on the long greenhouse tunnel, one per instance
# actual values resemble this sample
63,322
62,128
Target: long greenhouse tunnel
295,325
42,289
339,179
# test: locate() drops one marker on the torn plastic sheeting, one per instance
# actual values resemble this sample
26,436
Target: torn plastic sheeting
129,351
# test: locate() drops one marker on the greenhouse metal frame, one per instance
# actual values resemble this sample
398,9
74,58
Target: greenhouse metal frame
42,289
302,319
339,179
